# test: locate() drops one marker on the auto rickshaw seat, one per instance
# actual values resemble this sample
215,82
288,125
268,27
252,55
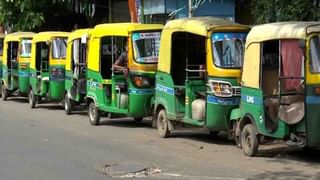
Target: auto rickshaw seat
270,82
287,100
272,108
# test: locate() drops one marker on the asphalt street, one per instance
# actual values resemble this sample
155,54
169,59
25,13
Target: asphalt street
45,144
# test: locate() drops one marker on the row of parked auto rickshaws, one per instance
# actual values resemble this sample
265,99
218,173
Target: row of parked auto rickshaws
256,83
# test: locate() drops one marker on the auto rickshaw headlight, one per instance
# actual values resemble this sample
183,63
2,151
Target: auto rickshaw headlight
221,88
141,81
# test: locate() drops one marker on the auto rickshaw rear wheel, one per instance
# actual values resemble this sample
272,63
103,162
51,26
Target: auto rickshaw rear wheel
32,99
4,92
163,124
249,140
67,104
94,114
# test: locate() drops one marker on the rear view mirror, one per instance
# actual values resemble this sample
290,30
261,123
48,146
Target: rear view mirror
302,44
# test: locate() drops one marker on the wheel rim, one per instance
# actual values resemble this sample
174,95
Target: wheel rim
162,123
248,141
92,113
66,105
30,97
2,94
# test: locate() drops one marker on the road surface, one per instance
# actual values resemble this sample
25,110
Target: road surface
45,144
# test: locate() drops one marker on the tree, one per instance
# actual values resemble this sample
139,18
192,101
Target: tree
266,11
33,15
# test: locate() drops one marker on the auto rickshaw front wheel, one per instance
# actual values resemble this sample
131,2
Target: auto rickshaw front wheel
94,114
249,140
67,105
163,124
4,93
32,99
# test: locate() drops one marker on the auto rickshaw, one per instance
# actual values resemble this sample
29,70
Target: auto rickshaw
280,93
16,59
1,57
47,67
199,69
129,91
76,65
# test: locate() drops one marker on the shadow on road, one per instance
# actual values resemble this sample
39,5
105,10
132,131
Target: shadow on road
50,106
18,99
125,123
289,174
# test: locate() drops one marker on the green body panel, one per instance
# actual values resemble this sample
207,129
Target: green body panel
312,116
107,98
24,77
10,78
17,79
252,105
218,110
69,83
46,85
140,99
165,96
179,107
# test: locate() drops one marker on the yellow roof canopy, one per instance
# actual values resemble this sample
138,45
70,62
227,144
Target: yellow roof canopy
17,36
44,36
282,30
199,25
122,29
78,33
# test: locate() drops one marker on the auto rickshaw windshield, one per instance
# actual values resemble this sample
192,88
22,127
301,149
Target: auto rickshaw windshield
315,54
59,48
25,50
146,46
228,49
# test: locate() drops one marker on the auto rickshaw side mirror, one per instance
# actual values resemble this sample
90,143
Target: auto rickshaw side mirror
302,44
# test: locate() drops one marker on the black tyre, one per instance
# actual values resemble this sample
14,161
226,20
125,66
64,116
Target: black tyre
32,99
163,124
67,105
4,93
138,119
213,133
249,140
94,114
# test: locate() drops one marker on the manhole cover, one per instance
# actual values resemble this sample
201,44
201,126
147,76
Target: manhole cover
124,169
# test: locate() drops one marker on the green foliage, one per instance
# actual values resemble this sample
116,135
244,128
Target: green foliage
26,15
265,11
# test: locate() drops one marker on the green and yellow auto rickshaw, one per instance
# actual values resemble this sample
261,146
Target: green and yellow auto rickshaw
129,90
76,68
197,81
1,57
280,93
47,67
16,59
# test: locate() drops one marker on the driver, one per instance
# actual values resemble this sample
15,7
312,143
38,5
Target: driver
121,63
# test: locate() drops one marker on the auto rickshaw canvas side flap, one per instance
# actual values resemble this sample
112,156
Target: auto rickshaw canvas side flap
251,66
165,51
5,54
32,64
93,54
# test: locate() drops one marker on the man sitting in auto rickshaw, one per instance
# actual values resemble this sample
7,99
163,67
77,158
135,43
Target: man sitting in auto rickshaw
121,63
